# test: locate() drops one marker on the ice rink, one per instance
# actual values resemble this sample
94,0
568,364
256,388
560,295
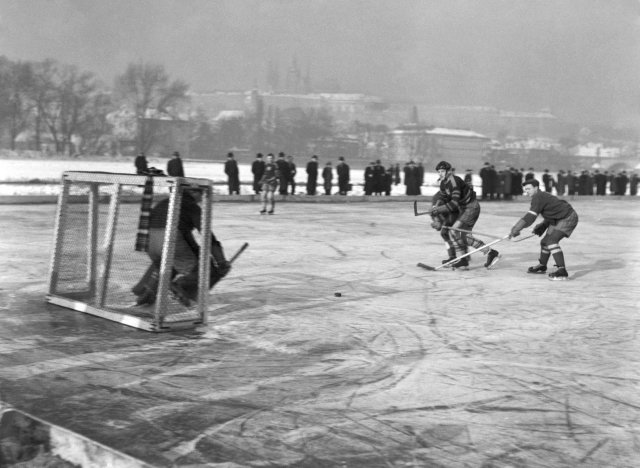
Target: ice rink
407,368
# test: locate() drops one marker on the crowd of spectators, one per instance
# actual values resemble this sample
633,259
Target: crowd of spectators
507,183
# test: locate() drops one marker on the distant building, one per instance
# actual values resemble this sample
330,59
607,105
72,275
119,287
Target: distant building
462,148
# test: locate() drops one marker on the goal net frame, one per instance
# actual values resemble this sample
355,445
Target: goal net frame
96,266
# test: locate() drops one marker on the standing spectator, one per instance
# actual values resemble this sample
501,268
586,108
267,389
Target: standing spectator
421,176
291,175
396,174
368,178
269,183
623,181
583,183
633,184
378,178
344,176
516,182
613,183
412,178
601,183
388,180
547,180
174,166
561,184
312,175
233,179
283,171
142,167
468,177
484,176
327,176
507,181
494,181
571,183
589,183
257,169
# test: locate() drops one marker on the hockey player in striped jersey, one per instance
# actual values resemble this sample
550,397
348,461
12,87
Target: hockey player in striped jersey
455,205
559,221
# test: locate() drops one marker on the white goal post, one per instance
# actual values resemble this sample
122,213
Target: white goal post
95,264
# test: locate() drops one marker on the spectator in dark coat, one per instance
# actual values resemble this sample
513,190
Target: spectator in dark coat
378,178
571,183
561,183
547,180
174,166
312,175
233,174
257,169
633,184
388,180
327,176
412,179
494,182
283,171
484,176
344,176
142,167
601,183
396,174
368,178
291,176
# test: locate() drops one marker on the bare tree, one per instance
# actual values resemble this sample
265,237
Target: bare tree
147,89
16,79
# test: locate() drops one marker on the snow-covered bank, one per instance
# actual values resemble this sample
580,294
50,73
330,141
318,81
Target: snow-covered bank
26,170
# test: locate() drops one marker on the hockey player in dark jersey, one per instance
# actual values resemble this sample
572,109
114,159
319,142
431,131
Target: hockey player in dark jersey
455,205
559,221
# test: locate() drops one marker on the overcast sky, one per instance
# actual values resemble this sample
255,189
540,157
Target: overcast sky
580,58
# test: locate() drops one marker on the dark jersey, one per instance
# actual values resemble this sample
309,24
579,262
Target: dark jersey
551,208
271,174
456,193
190,215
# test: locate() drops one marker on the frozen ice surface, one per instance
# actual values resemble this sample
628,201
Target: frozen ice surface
477,368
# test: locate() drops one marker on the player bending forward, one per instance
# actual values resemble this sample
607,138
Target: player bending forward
455,205
560,219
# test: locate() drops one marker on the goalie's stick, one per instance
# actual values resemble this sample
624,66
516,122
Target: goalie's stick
451,262
240,250
415,209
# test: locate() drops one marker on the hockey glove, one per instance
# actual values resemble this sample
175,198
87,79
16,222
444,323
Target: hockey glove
540,229
436,224
440,209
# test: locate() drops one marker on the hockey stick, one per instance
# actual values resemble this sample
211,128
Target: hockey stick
240,250
470,232
525,238
415,209
449,263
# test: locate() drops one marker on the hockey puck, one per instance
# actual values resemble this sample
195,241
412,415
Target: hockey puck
337,294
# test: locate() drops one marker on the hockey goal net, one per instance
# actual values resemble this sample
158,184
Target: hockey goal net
97,260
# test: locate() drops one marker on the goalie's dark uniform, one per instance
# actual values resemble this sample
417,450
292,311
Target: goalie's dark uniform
186,252
455,205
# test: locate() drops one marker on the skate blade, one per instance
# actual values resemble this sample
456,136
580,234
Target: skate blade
493,263
561,278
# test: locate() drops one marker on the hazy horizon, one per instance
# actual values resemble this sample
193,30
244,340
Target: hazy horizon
578,58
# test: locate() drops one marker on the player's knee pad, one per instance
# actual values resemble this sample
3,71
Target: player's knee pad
554,237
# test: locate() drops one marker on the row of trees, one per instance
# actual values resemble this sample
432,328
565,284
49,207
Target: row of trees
58,104
72,107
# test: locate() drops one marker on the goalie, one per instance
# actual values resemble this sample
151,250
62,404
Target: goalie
184,277
455,206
